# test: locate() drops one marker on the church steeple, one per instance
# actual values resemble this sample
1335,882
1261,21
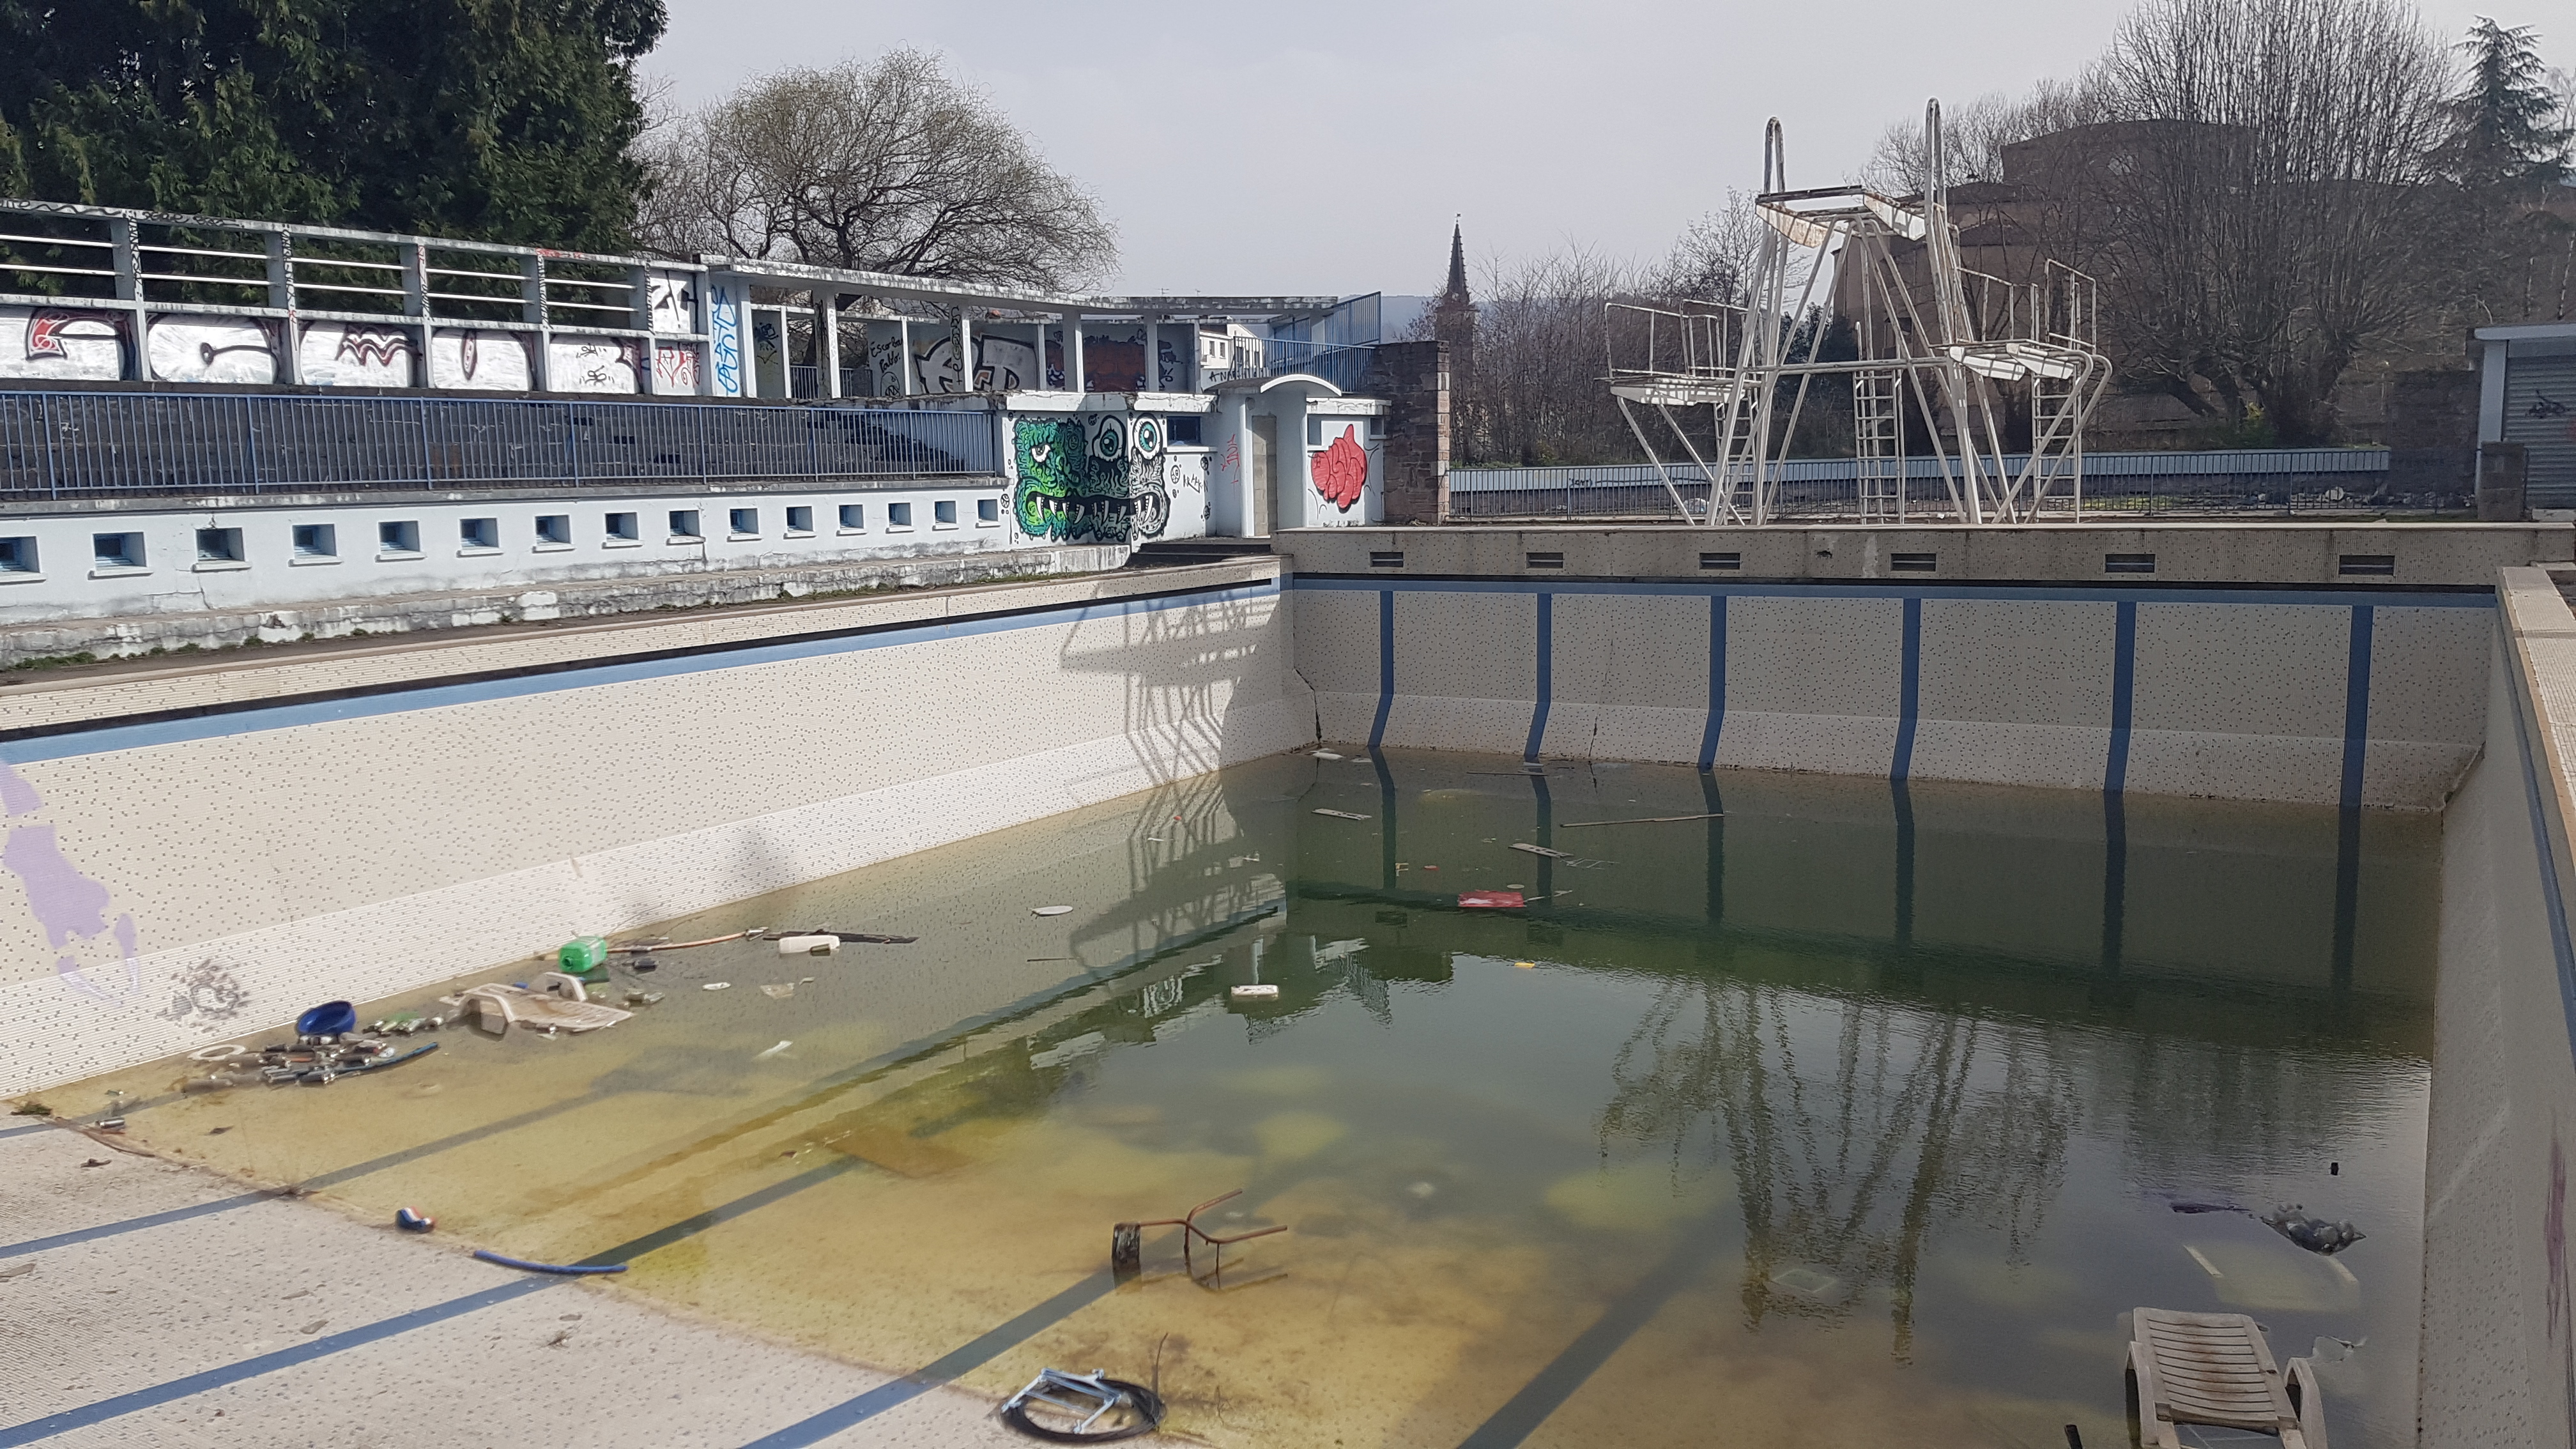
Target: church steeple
1455,293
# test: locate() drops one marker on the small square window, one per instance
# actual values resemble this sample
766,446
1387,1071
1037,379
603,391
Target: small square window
219,545
745,523
317,540
988,510
17,556
554,528
854,517
1185,429
478,533
944,512
898,515
684,525
800,520
117,550
621,528
401,537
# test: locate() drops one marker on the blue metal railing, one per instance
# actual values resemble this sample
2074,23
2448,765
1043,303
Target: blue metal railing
101,444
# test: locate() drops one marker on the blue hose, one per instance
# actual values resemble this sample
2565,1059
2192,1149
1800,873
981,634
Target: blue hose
568,1269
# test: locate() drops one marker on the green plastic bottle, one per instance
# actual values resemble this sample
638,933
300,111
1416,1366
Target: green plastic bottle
582,955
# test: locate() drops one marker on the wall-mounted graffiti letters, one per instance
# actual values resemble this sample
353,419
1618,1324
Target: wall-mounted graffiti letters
355,354
1095,478
672,299
1341,470
484,359
724,328
211,349
59,342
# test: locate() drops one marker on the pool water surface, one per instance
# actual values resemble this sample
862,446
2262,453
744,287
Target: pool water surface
1853,1113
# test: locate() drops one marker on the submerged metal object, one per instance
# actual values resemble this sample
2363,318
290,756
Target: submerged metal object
2291,1221
1092,1408
1127,1240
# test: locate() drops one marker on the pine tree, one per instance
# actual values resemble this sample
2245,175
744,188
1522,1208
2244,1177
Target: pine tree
507,120
2509,136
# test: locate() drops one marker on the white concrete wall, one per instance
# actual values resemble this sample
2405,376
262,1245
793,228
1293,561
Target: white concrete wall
375,829
2499,1345
69,581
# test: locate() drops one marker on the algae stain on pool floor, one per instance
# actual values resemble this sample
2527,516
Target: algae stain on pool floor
1847,1114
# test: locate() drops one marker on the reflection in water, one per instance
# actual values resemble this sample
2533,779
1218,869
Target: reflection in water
1839,1116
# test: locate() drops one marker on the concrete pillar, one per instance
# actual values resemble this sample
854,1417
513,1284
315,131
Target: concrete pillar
2502,471
1413,377
827,340
1073,354
1245,510
1153,354
903,364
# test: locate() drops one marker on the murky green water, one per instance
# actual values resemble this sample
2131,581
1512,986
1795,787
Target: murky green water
1852,1116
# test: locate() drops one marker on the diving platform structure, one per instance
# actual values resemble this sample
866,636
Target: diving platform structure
1959,360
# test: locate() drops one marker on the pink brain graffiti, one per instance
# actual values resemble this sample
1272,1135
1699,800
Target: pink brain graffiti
1341,470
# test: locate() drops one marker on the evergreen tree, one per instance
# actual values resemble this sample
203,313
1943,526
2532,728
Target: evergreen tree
2508,135
507,120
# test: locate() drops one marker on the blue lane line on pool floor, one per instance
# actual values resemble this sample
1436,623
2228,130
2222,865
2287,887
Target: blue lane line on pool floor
23,1131
964,1359
1523,1412
267,1363
250,1368
129,1225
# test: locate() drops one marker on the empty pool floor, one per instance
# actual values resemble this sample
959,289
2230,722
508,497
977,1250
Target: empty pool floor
147,1303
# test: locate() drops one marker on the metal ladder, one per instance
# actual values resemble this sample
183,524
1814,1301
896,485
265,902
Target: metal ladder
1878,451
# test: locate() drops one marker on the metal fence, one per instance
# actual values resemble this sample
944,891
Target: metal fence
2272,481
89,445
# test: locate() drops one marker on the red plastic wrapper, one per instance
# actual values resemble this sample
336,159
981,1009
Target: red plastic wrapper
1490,900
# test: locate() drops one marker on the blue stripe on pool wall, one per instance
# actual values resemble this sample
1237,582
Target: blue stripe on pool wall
1385,665
2356,706
1909,691
2316,597
1716,682
2124,688
110,736
1546,674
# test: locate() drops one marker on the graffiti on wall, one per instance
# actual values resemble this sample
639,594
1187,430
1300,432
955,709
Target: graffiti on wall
1341,470
1002,364
191,348
62,343
483,359
355,354
675,368
1167,365
671,298
724,330
603,365
1095,478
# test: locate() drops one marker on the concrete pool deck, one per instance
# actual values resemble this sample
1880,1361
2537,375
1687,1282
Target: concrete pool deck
144,1302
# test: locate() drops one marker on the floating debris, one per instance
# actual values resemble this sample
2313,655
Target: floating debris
413,1220
1490,900
1326,755
1068,1408
1642,820
1255,991
1527,849
2291,1221
778,1050
1049,910
823,945
717,986
779,993
1341,814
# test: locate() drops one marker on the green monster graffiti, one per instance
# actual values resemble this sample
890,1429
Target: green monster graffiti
1093,478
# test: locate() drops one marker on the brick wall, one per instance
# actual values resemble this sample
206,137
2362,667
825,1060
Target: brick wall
1414,379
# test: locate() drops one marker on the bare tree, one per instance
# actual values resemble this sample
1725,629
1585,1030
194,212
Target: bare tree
2270,210
885,165
1975,135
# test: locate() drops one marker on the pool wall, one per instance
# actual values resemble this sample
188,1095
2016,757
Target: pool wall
209,848
2007,658
2499,1354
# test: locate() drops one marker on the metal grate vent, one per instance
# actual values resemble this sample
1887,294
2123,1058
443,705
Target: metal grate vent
1539,560
1386,558
1721,560
2367,564
2128,563
1914,563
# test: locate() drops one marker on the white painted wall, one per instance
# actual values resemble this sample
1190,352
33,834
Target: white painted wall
68,580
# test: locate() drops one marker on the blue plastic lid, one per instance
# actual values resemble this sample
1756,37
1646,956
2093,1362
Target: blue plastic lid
331,1018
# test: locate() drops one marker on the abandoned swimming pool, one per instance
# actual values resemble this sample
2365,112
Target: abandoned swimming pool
1848,1111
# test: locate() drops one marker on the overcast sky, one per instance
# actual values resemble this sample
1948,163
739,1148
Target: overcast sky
1323,146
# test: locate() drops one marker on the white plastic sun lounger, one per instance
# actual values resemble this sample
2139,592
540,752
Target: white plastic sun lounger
2215,1369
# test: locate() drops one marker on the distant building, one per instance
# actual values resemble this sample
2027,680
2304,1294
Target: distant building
1453,316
